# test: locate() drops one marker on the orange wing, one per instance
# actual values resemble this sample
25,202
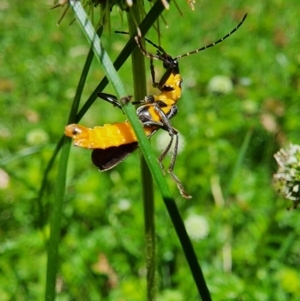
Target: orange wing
103,137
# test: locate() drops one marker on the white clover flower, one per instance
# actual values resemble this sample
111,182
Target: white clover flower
37,136
245,81
249,106
4,179
220,84
124,204
287,178
196,226
162,139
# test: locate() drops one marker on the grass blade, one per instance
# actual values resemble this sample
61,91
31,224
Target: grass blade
149,157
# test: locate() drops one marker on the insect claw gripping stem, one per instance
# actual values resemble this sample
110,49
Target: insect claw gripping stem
126,100
112,143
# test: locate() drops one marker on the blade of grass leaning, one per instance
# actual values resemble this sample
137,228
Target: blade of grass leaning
59,190
114,79
55,223
20,155
146,150
140,90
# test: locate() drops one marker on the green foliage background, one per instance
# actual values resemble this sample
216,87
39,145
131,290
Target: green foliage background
251,251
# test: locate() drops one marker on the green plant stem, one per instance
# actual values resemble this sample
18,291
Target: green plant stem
55,223
59,192
188,249
140,90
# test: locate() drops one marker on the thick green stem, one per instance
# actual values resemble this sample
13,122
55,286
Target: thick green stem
140,90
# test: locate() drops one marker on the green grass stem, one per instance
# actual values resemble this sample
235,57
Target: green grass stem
140,90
